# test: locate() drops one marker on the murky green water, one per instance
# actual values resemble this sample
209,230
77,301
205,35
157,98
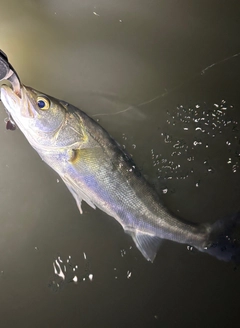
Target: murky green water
162,78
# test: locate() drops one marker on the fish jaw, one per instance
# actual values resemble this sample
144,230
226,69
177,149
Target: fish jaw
17,105
20,110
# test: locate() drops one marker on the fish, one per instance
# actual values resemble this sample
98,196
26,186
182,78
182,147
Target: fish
96,169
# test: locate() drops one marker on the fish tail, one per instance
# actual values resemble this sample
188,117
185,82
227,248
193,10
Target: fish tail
224,239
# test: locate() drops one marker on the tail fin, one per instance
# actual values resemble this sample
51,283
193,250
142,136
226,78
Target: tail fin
224,239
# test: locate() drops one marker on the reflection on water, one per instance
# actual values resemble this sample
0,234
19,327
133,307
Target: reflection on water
67,271
209,121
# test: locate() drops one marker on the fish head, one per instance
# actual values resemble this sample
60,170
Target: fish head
37,115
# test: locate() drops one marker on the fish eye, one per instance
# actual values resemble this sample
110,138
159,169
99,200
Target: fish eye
43,103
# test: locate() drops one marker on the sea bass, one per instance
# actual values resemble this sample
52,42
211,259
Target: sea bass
98,171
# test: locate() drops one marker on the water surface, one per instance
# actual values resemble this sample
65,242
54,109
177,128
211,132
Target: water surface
163,79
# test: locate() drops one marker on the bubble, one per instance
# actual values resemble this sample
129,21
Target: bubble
234,168
210,169
129,274
123,252
90,276
75,279
195,143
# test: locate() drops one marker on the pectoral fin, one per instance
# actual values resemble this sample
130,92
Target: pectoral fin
147,244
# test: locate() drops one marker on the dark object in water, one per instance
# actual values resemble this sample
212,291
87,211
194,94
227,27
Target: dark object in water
4,65
7,72
10,125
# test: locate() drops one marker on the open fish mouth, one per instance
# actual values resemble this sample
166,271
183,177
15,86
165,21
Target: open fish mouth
9,98
16,106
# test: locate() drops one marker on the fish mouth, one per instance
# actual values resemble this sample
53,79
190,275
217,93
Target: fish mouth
16,103
12,95
10,99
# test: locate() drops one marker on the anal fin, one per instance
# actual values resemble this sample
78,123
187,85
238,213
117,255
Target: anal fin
147,244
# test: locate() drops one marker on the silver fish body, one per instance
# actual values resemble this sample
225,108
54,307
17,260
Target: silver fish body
97,170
